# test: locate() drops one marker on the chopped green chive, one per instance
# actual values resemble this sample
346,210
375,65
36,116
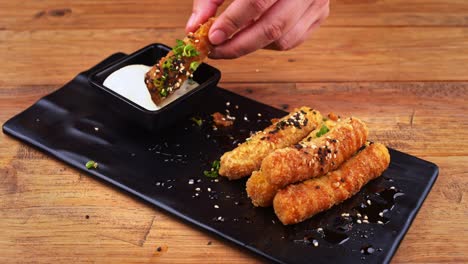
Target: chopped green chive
323,130
179,48
158,82
91,165
213,172
189,51
194,65
197,120
186,50
163,92
167,64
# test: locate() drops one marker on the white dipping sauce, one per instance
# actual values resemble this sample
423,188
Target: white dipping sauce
129,82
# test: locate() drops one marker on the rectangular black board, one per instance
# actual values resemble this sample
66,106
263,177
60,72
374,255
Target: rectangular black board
166,170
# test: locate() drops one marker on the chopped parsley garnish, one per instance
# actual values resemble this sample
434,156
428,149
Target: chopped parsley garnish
323,130
194,65
213,173
91,165
197,120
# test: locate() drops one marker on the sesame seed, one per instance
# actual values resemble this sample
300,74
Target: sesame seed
392,188
216,206
319,229
96,128
197,189
369,202
191,181
259,114
197,40
380,222
228,103
365,217
208,189
381,214
358,215
358,221
237,107
315,242
365,221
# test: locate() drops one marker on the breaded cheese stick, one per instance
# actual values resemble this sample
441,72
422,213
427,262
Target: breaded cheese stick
262,192
316,157
298,202
171,71
289,130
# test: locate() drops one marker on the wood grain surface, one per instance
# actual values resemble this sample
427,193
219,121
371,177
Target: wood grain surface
399,65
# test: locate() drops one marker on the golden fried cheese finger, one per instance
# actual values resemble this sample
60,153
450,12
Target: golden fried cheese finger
259,190
262,192
171,71
316,157
298,202
289,130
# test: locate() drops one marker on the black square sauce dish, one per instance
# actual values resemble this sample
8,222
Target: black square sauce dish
206,76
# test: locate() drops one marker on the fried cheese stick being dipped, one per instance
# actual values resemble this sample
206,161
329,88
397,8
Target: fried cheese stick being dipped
260,191
298,202
316,157
178,65
289,130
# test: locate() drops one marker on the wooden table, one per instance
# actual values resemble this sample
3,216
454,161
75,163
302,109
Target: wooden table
402,66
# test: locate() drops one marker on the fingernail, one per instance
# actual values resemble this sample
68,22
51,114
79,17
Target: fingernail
191,21
218,37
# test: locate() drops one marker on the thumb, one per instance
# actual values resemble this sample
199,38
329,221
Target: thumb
201,11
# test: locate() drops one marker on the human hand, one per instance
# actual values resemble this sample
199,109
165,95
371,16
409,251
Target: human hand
248,25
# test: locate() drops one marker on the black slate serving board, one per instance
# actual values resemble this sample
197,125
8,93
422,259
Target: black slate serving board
165,168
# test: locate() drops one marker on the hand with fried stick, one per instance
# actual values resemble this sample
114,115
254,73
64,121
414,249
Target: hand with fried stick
298,202
260,190
248,25
179,64
289,130
314,158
